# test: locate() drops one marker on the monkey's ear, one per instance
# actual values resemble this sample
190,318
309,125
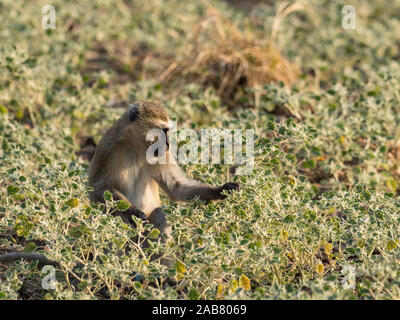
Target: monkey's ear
133,112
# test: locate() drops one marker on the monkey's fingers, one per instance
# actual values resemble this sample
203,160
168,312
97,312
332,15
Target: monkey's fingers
137,213
127,215
229,186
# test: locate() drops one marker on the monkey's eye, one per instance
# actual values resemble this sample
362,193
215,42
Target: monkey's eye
133,113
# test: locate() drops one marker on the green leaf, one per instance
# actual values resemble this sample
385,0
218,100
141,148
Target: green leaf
82,285
351,250
233,286
78,231
23,226
108,195
137,285
180,268
289,219
320,269
72,203
391,245
12,190
392,185
122,205
309,164
6,146
154,233
3,109
193,294
30,247
271,125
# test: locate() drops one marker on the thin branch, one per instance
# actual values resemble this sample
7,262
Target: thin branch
14,256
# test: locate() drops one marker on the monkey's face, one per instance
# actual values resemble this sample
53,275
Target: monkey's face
150,123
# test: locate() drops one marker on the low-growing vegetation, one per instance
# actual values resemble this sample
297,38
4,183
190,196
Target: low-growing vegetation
317,219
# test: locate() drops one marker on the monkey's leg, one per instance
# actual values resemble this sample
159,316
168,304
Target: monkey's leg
158,219
98,196
126,216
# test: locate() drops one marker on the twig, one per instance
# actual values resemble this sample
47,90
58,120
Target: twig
14,256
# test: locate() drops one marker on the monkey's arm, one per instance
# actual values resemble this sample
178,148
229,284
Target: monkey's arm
179,187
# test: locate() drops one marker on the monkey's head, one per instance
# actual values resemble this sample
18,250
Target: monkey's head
142,117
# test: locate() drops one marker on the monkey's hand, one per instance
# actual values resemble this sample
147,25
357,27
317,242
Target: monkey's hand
229,186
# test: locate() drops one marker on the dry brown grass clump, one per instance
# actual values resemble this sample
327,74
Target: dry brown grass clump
220,55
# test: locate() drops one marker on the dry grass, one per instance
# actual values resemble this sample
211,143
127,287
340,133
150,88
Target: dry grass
216,53
285,8
220,55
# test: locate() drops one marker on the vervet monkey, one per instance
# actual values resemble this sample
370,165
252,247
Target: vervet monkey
120,166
